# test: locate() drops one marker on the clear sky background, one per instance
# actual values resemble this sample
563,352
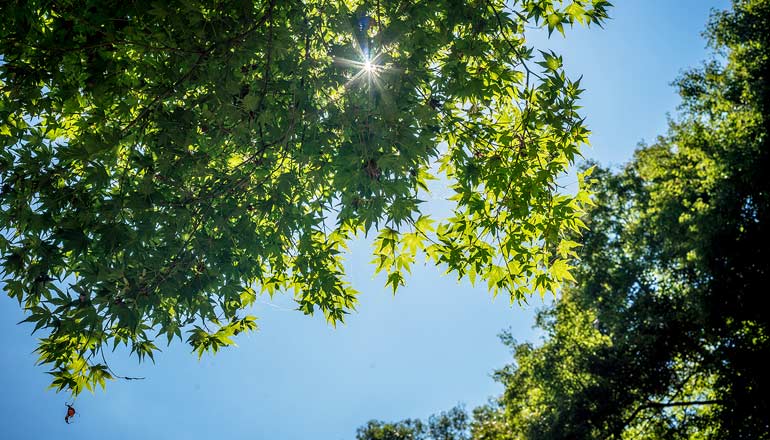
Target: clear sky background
428,348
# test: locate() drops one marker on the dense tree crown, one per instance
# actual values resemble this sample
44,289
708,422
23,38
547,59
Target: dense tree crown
665,331
163,163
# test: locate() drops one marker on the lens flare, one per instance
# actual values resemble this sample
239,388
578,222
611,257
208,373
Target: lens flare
367,70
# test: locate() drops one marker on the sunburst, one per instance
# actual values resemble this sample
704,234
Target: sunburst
369,69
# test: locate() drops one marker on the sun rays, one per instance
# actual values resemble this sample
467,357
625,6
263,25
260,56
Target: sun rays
368,70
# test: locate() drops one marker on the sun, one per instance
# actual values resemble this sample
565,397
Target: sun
369,69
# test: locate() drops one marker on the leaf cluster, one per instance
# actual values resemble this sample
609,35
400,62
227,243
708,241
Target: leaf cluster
163,163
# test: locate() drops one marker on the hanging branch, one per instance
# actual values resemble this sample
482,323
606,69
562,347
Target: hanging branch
115,375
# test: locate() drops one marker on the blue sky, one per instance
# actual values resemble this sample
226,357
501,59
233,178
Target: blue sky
431,346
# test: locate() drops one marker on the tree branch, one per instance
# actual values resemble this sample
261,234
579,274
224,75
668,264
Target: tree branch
650,405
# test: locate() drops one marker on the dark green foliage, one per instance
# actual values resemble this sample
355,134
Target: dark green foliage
662,335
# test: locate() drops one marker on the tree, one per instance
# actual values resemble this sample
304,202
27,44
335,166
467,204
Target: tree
163,164
448,425
663,331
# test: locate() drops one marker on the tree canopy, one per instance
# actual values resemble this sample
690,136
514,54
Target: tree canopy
663,333
163,163
448,425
